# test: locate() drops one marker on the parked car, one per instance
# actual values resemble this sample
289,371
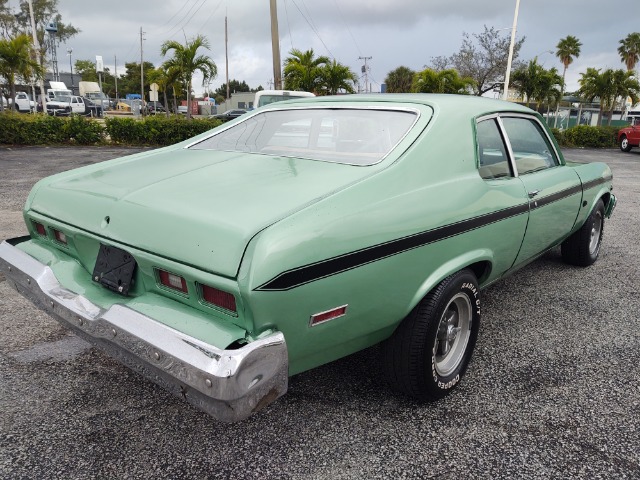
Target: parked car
155,108
305,232
91,109
230,114
629,137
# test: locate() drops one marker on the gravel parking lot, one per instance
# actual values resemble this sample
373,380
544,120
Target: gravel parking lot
552,392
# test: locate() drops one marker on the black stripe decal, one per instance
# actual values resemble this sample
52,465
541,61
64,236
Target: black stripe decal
315,271
596,182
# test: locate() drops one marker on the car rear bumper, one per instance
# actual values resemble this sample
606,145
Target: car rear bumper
230,385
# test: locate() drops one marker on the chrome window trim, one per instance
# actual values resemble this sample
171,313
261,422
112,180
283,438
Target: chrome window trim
499,116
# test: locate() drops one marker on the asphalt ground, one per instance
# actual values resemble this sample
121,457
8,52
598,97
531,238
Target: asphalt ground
552,391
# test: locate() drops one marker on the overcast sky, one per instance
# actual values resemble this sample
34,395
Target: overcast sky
392,32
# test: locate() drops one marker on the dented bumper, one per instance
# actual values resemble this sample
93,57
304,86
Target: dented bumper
228,384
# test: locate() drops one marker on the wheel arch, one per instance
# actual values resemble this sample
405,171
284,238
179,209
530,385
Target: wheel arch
479,261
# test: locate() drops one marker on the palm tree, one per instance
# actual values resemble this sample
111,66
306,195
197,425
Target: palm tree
624,84
594,84
444,81
399,80
629,50
16,61
336,77
302,71
567,49
186,62
166,78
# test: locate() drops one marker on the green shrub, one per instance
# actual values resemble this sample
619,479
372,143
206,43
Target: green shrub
21,129
591,137
83,131
156,130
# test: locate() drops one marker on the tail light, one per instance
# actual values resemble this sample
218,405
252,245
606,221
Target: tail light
59,236
40,228
219,298
172,281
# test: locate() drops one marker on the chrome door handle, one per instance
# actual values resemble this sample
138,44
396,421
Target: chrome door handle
533,193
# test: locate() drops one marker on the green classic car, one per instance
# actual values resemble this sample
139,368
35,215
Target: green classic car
303,232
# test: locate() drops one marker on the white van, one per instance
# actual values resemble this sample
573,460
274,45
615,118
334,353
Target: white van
265,97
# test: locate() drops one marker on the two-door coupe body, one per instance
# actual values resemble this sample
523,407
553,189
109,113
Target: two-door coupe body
303,232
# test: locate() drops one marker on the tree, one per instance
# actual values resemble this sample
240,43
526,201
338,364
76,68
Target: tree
44,12
624,84
234,86
16,61
444,81
336,77
629,50
567,49
129,82
86,70
186,62
594,84
303,71
535,83
399,80
482,57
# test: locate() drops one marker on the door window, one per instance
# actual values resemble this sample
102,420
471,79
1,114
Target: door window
492,154
531,148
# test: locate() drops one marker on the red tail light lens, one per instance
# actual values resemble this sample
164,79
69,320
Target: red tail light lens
60,237
328,315
40,229
219,298
172,281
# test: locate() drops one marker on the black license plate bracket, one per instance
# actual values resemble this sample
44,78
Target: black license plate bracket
114,269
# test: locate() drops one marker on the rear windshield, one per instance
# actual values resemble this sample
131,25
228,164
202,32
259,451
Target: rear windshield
351,136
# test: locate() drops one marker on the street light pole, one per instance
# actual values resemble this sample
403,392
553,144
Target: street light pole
505,94
69,52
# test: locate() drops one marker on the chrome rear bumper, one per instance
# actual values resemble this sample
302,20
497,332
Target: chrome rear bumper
230,385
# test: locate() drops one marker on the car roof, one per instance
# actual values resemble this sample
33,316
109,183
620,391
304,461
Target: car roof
471,104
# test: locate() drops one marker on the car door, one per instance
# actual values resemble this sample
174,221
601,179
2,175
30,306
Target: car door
554,190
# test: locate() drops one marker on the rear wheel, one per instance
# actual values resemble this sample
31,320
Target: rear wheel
582,248
624,144
429,352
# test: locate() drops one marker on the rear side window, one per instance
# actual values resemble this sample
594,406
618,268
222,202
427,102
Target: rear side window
492,154
531,148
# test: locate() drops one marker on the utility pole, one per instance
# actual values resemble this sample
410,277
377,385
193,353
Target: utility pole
226,54
141,75
275,46
115,76
36,46
365,71
505,94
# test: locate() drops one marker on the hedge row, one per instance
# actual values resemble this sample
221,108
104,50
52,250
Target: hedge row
20,129
587,136
156,130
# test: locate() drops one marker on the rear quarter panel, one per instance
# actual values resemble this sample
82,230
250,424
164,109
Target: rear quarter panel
434,184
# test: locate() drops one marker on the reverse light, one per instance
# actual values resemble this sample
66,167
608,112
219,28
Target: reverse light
40,228
219,298
172,281
322,317
59,236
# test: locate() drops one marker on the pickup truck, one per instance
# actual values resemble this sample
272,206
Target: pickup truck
23,102
65,105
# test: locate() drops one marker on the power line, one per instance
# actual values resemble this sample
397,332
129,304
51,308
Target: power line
286,12
313,28
347,27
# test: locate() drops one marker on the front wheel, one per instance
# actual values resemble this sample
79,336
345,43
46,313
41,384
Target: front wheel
624,144
582,248
430,351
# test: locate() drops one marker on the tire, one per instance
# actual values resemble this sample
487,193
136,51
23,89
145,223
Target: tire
582,248
624,144
429,352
